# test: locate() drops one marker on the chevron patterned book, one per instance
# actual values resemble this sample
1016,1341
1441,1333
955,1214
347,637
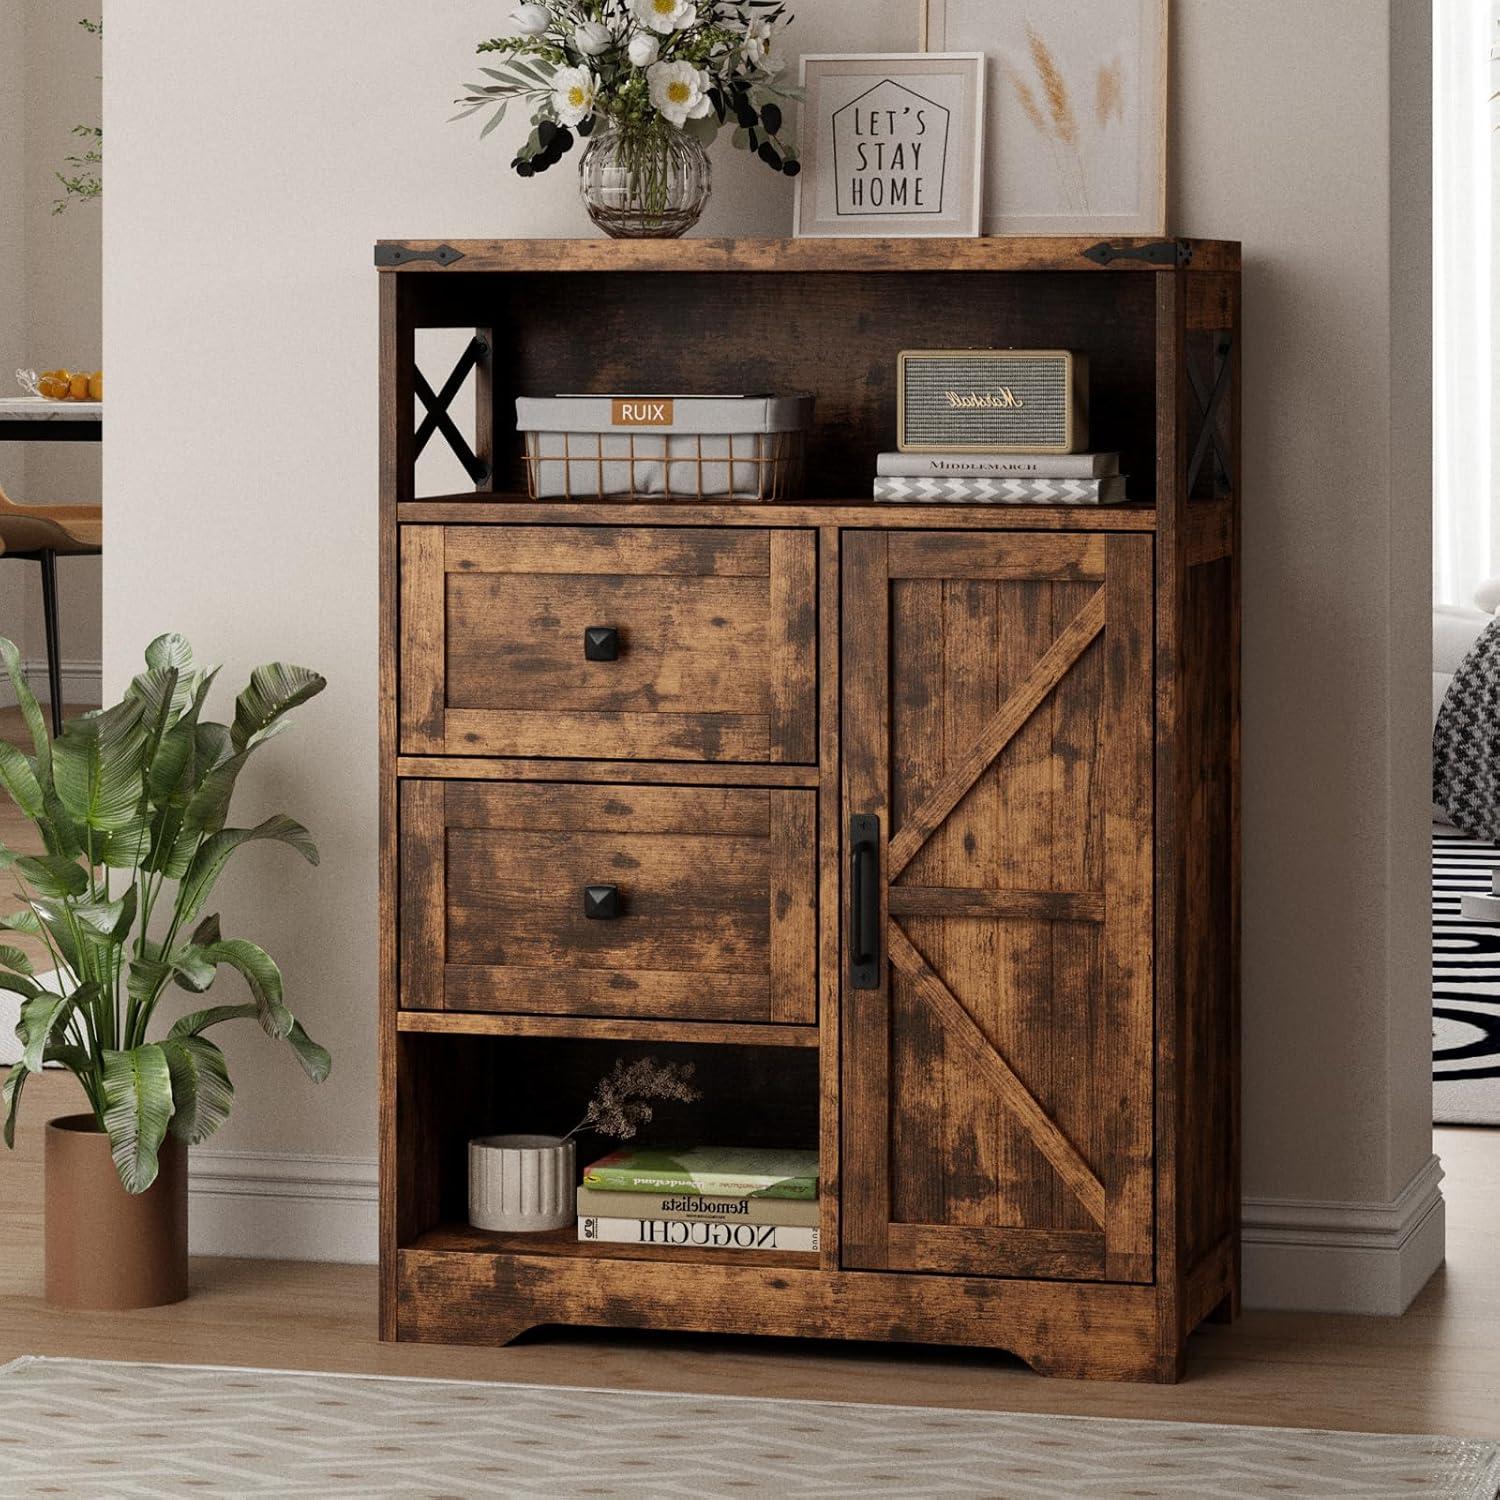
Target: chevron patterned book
966,491
727,1171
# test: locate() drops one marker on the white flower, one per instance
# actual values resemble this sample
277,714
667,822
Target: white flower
573,91
591,39
643,49
664,16
758,47
531,20
677,91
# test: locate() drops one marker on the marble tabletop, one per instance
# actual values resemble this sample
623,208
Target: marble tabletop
39,409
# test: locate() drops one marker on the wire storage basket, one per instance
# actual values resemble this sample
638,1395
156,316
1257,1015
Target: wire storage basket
743,448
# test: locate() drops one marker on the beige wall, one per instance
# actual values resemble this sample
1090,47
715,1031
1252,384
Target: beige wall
50,301
1288,142
248,519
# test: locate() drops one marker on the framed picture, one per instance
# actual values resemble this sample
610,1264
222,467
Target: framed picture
891,144
1076,140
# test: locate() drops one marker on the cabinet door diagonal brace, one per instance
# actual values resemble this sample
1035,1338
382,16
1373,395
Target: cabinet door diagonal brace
962,1027
1055,662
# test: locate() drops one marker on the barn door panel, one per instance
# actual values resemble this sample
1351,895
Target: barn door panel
998,1033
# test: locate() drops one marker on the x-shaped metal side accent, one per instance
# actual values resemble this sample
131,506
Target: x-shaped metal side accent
1209,400
437,418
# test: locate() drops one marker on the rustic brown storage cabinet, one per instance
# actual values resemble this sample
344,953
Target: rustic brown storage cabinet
923,819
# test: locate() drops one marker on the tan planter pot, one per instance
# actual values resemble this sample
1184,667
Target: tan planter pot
107,1248
522,1183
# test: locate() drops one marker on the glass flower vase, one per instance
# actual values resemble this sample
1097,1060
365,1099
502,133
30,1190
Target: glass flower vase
645,181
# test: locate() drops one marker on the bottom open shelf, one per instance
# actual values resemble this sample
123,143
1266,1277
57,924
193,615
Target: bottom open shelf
464,1239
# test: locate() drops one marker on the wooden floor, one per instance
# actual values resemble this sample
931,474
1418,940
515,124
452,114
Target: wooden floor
1435,1370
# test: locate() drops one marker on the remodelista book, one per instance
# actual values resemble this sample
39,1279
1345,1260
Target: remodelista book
721,1171
697,1233
730,1210
997,465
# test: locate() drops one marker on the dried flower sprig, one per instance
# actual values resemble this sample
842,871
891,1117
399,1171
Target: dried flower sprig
619,1106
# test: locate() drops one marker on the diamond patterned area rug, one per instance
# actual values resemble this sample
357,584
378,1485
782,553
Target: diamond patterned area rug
82,1428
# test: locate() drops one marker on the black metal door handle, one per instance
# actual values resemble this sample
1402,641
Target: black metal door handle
601,903
601,643
864,902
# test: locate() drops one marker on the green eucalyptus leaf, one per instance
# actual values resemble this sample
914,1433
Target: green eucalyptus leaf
137,1110
201,1091
274,690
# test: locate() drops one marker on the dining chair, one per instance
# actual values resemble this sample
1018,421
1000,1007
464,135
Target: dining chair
42,534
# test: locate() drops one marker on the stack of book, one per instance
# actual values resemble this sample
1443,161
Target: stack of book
723,1198
1000,478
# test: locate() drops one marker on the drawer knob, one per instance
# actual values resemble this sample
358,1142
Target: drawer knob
601,903
601,643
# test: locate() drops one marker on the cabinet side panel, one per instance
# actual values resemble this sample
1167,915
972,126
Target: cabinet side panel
1208,1205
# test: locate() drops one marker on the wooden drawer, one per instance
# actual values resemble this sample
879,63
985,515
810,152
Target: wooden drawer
716,898
716,642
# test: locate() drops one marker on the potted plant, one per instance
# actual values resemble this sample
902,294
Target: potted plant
132,804
528,1183
649,84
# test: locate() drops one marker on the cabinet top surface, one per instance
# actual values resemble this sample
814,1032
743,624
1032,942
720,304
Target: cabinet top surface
992,253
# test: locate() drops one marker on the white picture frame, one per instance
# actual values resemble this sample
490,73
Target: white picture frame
1076,140
892,145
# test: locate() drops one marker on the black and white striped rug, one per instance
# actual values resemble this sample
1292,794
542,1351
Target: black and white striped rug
1465,985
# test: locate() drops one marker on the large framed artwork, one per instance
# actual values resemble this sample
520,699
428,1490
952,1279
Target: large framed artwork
892,144
1076,139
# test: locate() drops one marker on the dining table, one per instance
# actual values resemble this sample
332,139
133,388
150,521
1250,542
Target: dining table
31,419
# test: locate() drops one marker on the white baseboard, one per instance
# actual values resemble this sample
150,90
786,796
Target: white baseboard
278,1207
1370,1258
82,683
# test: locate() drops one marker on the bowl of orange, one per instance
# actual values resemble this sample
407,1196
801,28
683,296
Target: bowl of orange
64,385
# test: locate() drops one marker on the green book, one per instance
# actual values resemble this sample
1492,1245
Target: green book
725,1171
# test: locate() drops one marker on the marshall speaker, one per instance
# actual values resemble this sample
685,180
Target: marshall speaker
992,401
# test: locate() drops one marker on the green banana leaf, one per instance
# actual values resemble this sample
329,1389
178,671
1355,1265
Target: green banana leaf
201,1090
142,788
137,1110
97,763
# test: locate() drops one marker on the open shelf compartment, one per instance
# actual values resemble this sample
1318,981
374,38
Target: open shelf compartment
453,1087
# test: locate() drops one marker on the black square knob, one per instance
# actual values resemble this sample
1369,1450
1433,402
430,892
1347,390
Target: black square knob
601,903
601,643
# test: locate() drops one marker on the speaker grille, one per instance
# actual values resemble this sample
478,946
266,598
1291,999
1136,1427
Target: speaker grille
948,401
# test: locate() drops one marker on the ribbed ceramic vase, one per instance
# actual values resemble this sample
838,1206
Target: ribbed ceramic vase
521,1183
106,1248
